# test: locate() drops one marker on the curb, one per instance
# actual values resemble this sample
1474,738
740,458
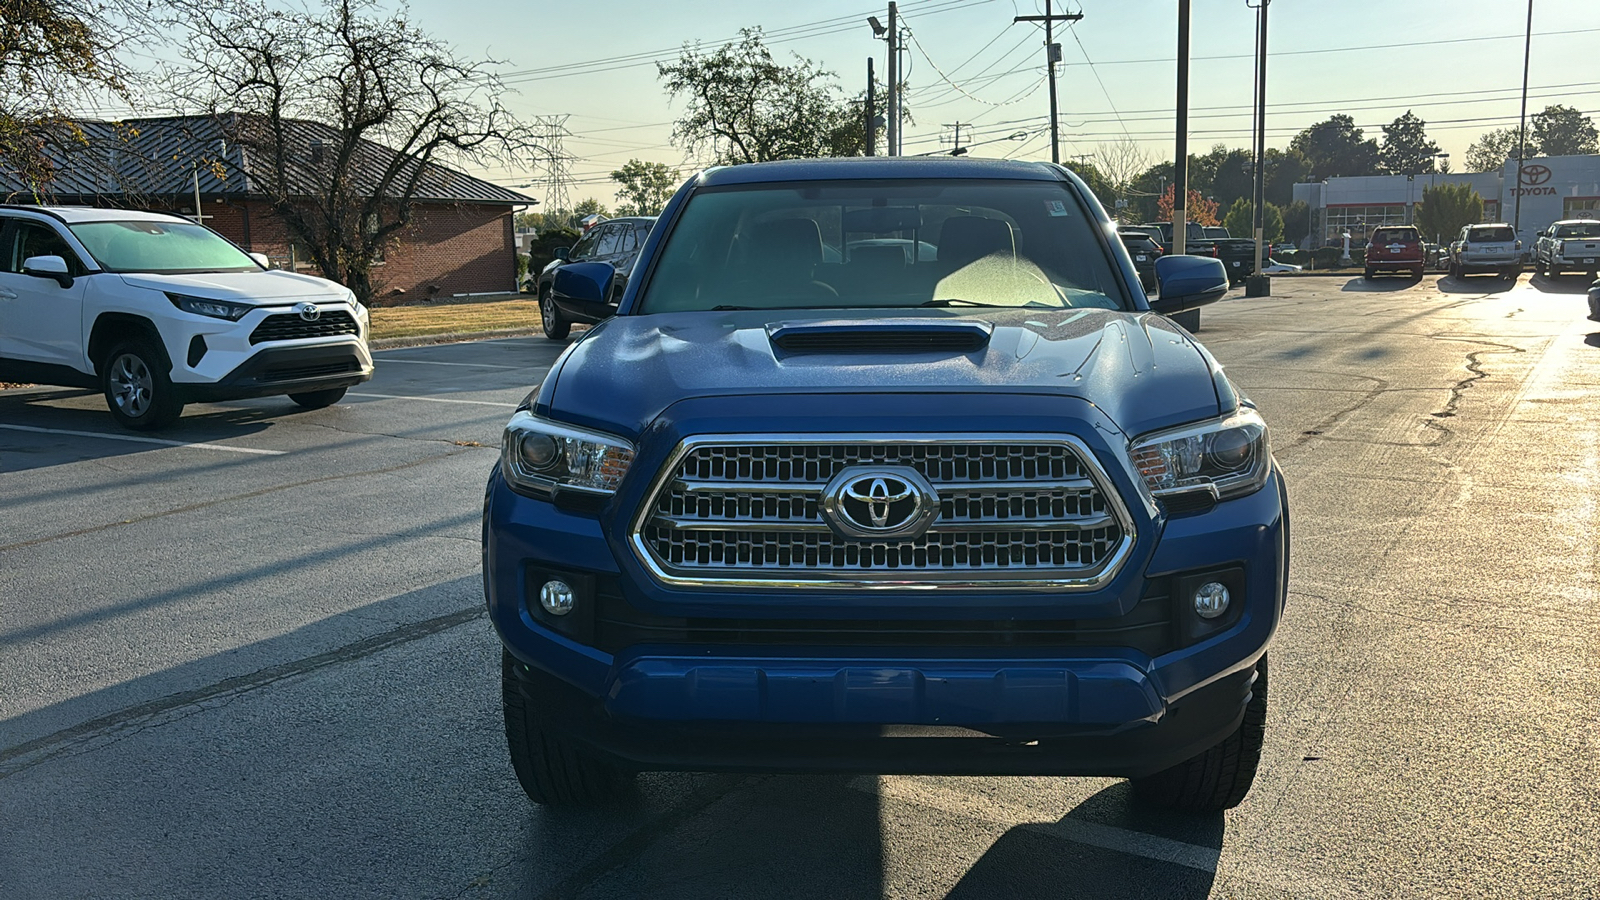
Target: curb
454,337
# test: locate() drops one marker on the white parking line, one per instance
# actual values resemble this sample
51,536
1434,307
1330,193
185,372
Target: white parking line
992,809
432,399
144,440
436,362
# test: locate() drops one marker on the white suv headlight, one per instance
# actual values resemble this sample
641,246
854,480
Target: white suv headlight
538,457
1227,457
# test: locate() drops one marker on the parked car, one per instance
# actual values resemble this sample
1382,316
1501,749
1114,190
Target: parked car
1279,268
1394,249
1571,244
1436,256
1145,250
1486,248
157,311
778,512
1238,255
614,242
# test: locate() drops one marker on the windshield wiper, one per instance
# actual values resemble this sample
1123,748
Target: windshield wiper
954,301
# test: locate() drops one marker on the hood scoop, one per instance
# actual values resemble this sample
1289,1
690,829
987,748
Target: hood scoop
881,336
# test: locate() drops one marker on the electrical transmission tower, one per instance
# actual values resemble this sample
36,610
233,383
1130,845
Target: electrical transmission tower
557,174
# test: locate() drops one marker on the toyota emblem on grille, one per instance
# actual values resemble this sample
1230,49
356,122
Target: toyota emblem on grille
308,311
879,503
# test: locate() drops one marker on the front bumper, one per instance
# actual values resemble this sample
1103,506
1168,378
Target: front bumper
288,370
712,699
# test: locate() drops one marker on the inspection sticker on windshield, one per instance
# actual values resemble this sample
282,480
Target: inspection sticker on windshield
1056,208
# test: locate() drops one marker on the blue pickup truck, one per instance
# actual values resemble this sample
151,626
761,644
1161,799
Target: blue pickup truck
887,466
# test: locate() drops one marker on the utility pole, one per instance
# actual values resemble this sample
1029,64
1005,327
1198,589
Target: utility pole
959,150
894,80
1259,285
1522,128
1180,165
872,113
1052,56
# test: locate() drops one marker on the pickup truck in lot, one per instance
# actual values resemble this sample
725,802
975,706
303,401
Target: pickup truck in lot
977,510
1238,255
1568,245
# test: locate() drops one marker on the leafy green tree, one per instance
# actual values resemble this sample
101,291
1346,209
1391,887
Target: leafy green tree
646,187
1445,208
1406,148
741,105
1491,150
1564,131
1296,221
1285,169
1240,221
1231,175
1336,147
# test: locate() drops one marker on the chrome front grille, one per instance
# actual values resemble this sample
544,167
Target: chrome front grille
1012,511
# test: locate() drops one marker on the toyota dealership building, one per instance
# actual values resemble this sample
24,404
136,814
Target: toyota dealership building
1550,188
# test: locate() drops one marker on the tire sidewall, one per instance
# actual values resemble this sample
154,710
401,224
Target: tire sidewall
164,407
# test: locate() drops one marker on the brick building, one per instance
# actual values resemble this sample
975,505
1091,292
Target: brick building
460,239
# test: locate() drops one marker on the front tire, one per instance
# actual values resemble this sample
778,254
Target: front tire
552,770
555,327
318,399
138,388
1219,778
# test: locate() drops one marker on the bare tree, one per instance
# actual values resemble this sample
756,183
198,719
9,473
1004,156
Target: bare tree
1121,162
343,114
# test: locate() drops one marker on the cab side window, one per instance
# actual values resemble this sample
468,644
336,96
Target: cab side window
25,240
610,239
584,248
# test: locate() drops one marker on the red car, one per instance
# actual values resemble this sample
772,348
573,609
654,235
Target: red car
1393,249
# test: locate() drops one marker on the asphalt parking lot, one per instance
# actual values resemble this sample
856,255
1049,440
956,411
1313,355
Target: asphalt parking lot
246,657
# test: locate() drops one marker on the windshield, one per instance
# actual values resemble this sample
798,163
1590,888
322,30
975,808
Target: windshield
1491,233
1585,230
834,245
160,247
1395,235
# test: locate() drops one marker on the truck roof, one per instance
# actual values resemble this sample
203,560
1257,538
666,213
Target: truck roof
873,167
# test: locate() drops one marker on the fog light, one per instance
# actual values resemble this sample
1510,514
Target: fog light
1210,600
557,598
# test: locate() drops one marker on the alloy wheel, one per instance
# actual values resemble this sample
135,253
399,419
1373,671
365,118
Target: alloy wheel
131,385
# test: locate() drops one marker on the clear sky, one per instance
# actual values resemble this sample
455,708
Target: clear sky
1455,63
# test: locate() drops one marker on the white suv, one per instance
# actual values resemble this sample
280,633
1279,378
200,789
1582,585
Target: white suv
158,311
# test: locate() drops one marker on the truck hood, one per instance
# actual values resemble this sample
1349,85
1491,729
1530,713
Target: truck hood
258,287
1139,369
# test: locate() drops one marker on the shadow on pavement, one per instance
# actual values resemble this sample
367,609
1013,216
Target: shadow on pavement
1475,284
1561,284
1380,285
1173,855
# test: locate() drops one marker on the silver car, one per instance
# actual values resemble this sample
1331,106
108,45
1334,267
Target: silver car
1480,249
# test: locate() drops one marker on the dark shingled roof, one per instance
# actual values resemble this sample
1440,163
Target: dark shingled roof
156,157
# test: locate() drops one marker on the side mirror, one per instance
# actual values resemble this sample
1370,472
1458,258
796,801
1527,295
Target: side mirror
561,253
1188,282
52,267
261,260
585,282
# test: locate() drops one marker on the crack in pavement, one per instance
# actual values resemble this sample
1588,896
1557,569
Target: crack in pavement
133,719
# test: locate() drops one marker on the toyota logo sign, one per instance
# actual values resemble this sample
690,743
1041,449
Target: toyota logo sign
879,503
1535,174
308,311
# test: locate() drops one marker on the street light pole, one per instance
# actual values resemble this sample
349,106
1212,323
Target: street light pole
1522,128
1258,285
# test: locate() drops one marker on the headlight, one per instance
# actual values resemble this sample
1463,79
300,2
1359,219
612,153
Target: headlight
216,309
539,457
1228,456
